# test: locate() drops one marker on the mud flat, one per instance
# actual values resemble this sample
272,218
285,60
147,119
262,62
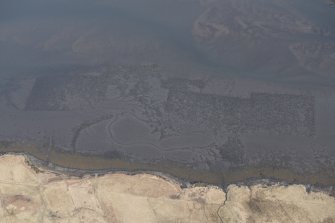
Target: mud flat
31,194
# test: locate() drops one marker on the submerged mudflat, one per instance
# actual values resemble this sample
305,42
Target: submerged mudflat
219,130
31,194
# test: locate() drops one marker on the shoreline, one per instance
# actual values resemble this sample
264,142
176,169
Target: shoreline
81,164
39,165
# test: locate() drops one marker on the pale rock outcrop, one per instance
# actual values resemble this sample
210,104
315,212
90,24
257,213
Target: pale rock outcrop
29,194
